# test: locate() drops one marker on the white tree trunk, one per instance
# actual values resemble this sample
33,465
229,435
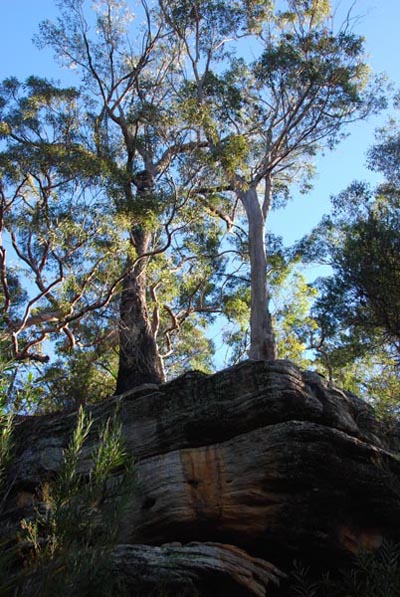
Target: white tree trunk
262,339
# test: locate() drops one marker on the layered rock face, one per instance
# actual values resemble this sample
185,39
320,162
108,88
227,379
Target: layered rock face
239,474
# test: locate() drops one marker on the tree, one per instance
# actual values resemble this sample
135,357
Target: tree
109,159
358,305
291,301
263,120
168,127
368,276
117,80
64,249
360,300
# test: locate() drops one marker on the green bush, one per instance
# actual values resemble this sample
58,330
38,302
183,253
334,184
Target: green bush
373,574
66,545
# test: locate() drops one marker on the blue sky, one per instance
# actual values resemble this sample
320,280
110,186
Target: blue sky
377,20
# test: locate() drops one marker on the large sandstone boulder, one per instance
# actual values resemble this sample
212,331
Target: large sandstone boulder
240,473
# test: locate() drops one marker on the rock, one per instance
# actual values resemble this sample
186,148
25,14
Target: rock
204,569
261,456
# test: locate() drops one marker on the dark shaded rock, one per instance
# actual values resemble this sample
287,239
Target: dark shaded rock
203,569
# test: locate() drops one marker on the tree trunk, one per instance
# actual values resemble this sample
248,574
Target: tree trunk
262,338
139,360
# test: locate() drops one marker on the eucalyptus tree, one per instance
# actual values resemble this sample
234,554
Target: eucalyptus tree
264,87
59,253
123,93
168,128
291,302
113,165
357,309
61,256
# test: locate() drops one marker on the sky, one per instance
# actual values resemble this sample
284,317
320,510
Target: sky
377,20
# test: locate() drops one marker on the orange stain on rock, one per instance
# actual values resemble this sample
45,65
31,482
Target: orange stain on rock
356,540
203,472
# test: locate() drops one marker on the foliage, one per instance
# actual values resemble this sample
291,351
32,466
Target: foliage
6,451
364,292
301,585
292,298
262,121
65,250
80,378
106,164
7,375
117,192
357,309
372,575
68,542
376,575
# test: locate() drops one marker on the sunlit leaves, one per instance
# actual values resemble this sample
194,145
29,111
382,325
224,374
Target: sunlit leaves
292,300
76,529
233,153
237,306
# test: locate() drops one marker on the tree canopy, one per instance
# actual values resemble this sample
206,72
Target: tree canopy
136,204
357,309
